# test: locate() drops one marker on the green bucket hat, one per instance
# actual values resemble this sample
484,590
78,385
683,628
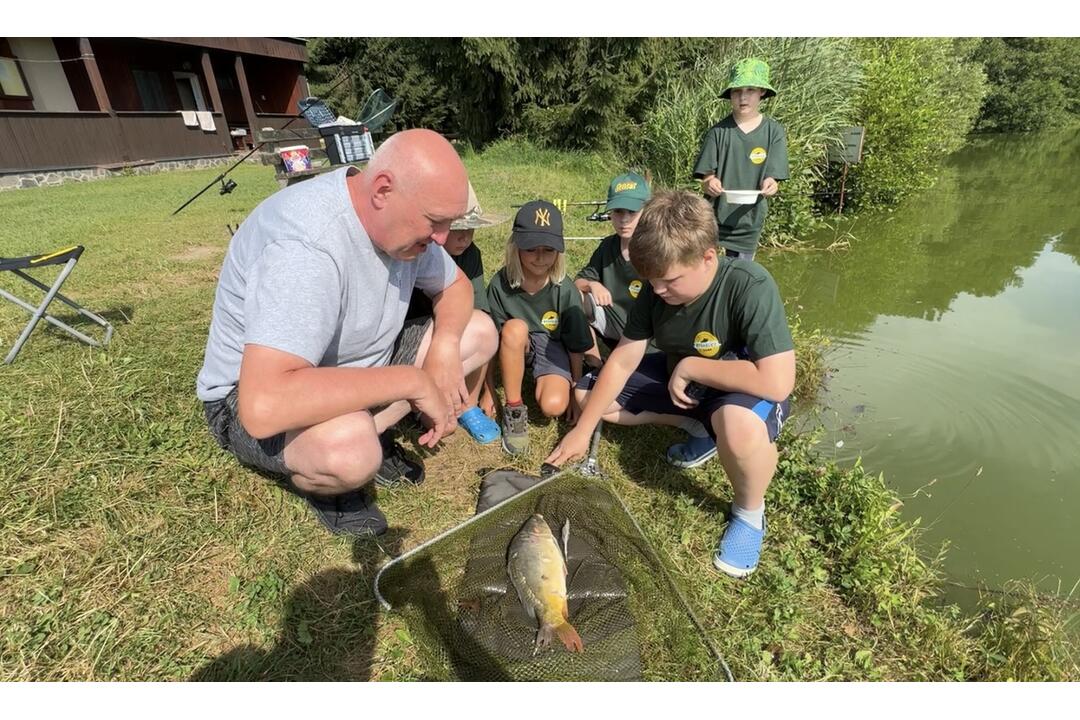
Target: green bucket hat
749,72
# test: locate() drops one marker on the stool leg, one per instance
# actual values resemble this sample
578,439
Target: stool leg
40,312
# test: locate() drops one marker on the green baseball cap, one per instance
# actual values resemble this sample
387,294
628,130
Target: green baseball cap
627,192
749,72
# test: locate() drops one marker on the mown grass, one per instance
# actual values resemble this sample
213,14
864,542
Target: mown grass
132,548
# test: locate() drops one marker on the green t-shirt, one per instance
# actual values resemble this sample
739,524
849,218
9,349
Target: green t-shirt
608,267
740,316
554,309
742,161
472,264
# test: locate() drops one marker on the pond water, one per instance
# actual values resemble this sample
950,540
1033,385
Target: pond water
955,322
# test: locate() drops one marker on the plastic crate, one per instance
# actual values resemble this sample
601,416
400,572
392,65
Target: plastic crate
347,143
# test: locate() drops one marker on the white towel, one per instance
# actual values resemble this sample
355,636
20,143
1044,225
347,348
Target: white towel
206,121
190,118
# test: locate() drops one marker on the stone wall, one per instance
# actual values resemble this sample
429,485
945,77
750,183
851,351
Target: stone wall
17,181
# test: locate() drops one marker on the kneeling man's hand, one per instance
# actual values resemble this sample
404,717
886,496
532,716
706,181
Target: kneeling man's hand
443,364
431,403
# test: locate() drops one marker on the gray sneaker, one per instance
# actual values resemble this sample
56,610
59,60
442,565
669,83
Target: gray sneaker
515,429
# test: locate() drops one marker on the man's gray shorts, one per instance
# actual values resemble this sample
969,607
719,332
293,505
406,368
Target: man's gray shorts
548,357
268,454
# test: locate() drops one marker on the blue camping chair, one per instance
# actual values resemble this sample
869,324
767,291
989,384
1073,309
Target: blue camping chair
67,257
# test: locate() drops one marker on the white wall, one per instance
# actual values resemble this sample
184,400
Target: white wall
47,81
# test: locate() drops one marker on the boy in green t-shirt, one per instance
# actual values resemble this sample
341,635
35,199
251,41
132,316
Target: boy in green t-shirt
744,151
727,360
477,417
609,283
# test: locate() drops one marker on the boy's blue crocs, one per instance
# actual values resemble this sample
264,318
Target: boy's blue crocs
740,548
483,429
693,452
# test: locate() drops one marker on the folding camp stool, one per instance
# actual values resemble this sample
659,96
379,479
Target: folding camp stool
68,257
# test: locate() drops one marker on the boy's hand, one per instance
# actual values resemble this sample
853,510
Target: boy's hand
677,386
711,186
573,447
769,187
600,294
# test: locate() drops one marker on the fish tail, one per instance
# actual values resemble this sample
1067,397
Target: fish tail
569,637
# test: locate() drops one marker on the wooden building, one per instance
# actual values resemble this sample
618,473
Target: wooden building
70,103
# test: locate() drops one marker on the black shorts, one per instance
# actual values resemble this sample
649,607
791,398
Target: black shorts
268,454
647,391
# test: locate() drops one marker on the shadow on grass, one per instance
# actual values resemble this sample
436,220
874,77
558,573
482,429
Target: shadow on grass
328,630
641,457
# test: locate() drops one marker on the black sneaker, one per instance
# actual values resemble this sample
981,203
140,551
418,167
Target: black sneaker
351,513
396,469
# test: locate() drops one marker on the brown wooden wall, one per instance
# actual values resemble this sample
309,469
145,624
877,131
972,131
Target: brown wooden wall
78,80
273,84
45,141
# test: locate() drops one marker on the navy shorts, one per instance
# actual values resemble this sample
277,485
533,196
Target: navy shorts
647,391
548,357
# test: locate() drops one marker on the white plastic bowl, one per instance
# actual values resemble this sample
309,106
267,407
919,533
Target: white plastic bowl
742,197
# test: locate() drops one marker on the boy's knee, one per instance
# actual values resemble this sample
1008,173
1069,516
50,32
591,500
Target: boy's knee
482,334
739,431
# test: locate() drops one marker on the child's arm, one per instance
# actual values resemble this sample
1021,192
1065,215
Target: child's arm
617,370
711,185
771,378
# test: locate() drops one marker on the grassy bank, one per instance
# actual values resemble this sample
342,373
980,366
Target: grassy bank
132,548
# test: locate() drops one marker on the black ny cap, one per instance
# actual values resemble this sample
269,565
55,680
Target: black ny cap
538,224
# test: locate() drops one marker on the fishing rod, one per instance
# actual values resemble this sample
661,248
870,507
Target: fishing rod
227,186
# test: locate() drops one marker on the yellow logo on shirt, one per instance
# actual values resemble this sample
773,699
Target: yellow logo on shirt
635,288
758,155
550,320
706,344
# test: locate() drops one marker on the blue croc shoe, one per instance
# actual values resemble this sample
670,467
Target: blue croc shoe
483,429
740,548
693,452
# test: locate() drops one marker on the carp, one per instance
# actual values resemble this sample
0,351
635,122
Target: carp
537,568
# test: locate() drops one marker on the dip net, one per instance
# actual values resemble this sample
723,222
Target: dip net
456,598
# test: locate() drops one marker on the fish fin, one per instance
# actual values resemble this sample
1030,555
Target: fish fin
543,638
569,637
566,539
524,596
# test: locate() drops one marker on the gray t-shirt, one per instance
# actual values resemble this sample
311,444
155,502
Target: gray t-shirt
302,276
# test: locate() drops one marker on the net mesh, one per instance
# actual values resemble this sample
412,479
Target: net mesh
468,624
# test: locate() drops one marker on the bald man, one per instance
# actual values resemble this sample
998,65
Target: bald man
309,361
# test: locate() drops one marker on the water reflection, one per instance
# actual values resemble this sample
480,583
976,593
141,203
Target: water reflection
957,320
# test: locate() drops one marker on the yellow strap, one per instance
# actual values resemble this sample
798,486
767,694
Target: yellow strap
50,256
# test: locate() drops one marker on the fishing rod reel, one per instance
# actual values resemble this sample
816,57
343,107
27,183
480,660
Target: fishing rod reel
227,186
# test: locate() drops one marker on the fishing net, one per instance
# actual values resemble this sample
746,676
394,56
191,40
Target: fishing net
467,622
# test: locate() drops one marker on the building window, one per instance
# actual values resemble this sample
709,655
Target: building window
12,82
151,91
